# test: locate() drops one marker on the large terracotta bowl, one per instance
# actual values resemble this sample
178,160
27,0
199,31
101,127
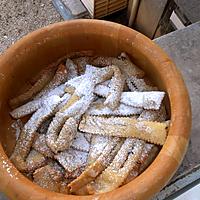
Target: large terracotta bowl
40,48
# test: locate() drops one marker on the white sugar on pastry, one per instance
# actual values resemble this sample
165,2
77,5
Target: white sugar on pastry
42,114
102,90
35,160
26,109
17,126
72,159
54,136
116,88
59,78
97,108
146,100
115,174
81,62
75,82
59,91
88,137
139,85
72,69
98,143
41,146
80,142
154,115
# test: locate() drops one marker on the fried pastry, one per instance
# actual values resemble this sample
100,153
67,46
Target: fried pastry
43,178
45,77
26,109
99,109
72,69
89,132
115,174
149,151
57,133
94,76
34,105
125,65
98,143
41,146
116,88
81,63
154,132
93,170
28,133
35,160
139,84
72,160
80,142
59,78
147,100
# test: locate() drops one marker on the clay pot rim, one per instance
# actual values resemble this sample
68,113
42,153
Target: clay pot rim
171,151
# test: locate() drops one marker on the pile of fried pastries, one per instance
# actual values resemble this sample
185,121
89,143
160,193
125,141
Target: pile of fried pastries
88,124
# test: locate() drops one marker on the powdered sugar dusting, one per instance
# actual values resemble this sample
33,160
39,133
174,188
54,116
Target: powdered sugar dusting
80,142
141,126
72,69
98,143
58,116
38,117
72,159
98,108
140,84
146,100
17,126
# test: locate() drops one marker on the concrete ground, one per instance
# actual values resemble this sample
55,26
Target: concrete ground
19,17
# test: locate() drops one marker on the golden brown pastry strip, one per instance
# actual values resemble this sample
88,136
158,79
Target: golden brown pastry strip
99,109
74,98
137,84
28,133
92,171
77,105
59,78
46,76
72,69
150,150
80,142
22,149
98,143
56,171
154,115
81,63
72,160
115,174
44,179
125,65
56,133
153,132
116,88
41,146
147,100
93,76
26,109
35,160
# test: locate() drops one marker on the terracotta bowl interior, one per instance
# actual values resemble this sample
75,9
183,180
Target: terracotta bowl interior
28,56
